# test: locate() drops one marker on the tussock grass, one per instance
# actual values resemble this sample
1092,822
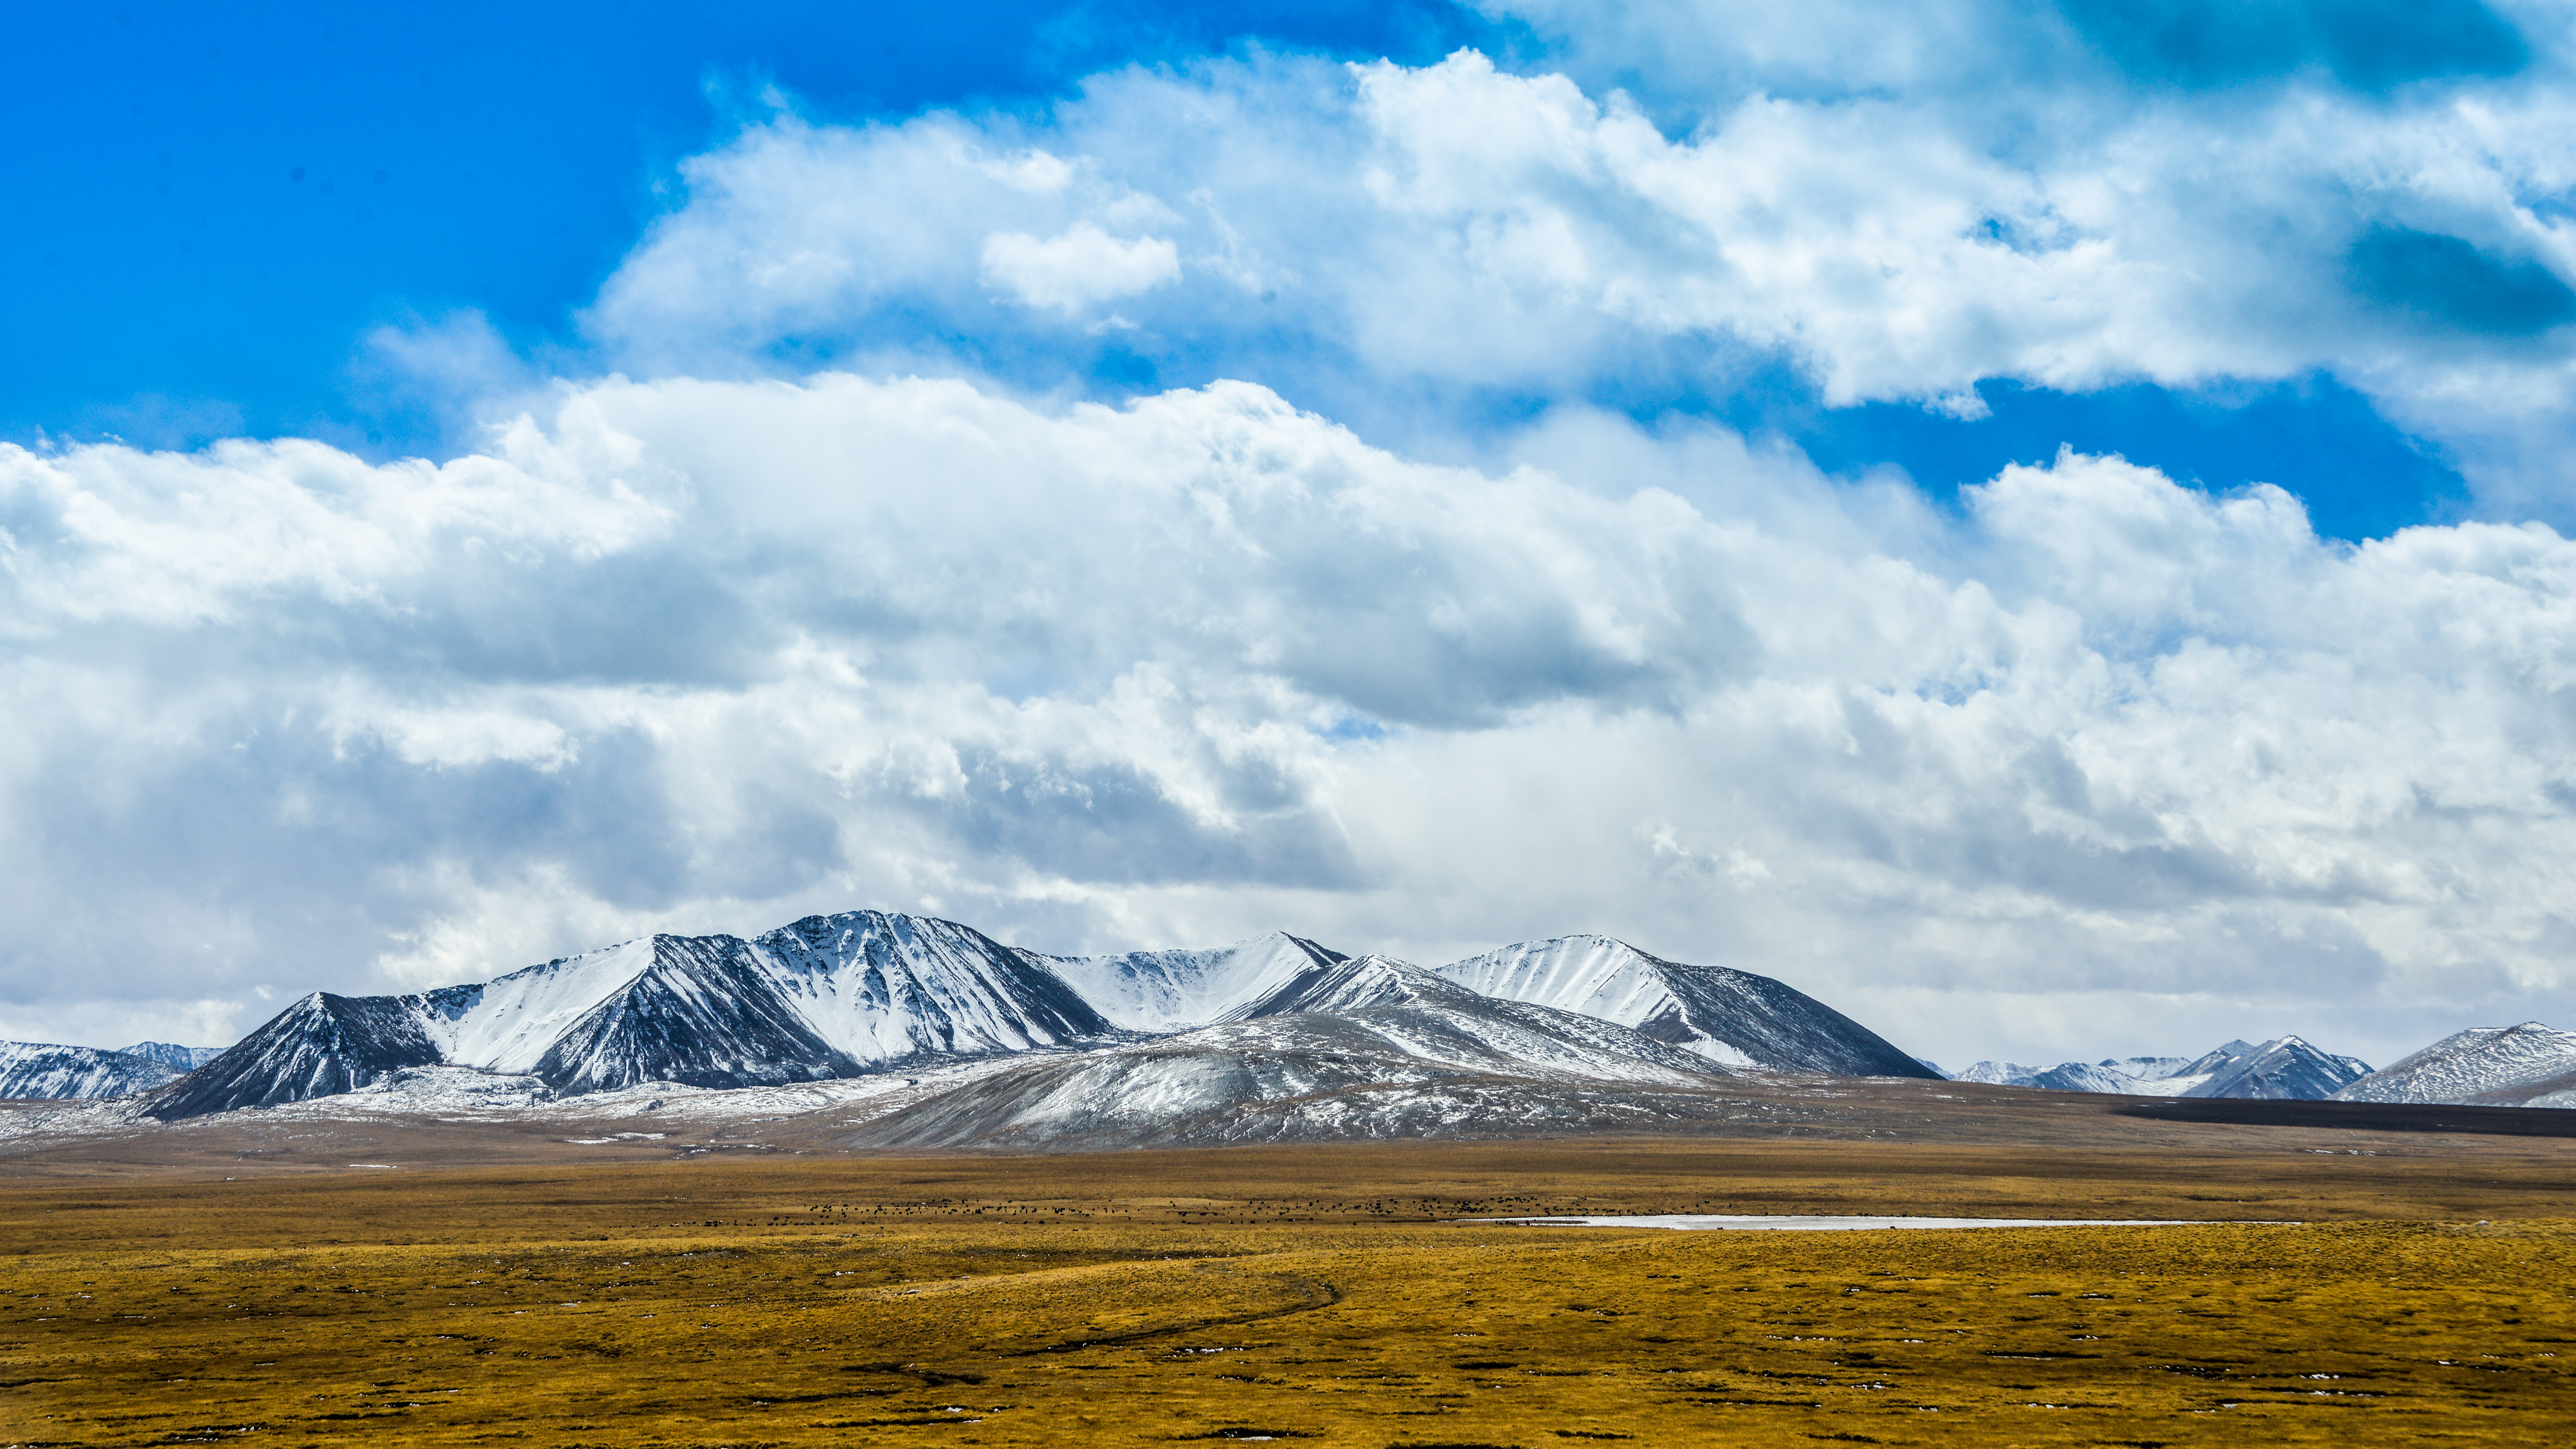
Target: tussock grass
1310,1297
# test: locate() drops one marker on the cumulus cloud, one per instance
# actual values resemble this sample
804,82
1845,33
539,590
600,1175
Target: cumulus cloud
895,566
1351,233
1080,266
1205,665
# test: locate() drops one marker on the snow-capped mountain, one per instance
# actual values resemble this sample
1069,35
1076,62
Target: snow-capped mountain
2283,1069
2530,1065
826,996
41,1069
2064,1077
2082,1077
837,996
320,1046
1161,991
1349,1048
177,1058
1730,1017
1439,1020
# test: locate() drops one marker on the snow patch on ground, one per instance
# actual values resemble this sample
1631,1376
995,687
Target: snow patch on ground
2498,1065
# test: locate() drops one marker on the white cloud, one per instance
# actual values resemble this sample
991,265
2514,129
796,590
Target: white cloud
1078,266
2093,763
109,533
1355,233
1077,674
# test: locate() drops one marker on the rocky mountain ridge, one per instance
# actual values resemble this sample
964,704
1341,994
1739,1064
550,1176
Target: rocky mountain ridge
173,1056
836,996
2530,1065
826,996
2283,1069
44,1070
1365,1047
1733,1018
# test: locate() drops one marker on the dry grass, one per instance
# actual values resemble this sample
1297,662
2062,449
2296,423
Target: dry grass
1310,1294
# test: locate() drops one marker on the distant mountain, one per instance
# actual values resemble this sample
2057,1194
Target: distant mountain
834,996
1365,1048
2152,1068
178,1058
827,996
41,1069
319,1047
1733,1018
2081,1077
2284,1069
1162,991
2530,1065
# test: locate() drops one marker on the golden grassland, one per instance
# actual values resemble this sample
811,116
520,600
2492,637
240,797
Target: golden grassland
1311,1295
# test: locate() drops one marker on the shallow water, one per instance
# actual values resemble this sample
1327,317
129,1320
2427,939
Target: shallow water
1707,1222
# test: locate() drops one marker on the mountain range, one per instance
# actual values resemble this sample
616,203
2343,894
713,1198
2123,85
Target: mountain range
1368,1047
836,996
1276,1038
41,1069
828,996
2282,1069
45,1070
1733,1018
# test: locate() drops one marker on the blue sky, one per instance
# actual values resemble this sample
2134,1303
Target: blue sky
171,280
2045,523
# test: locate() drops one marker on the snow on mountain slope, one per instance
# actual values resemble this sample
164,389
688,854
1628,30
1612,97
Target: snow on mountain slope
708,1011
1371,1037
2285,1068
2064,1077
1349,985
825,996
177,1058
880,987
1162,991
2494,1066
2557,1091
831,996
509,1023
1731,1017
2082,1077
42,1069
1438,1020
321,1045
1999,1074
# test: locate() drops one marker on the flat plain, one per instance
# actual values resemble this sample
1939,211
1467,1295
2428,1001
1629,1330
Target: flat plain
2408,1287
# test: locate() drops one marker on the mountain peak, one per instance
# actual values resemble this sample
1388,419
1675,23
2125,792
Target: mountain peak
1175,990
170,1054
2507,1066
828,995
46,1070
1731,1017
2285,1067
1354,985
